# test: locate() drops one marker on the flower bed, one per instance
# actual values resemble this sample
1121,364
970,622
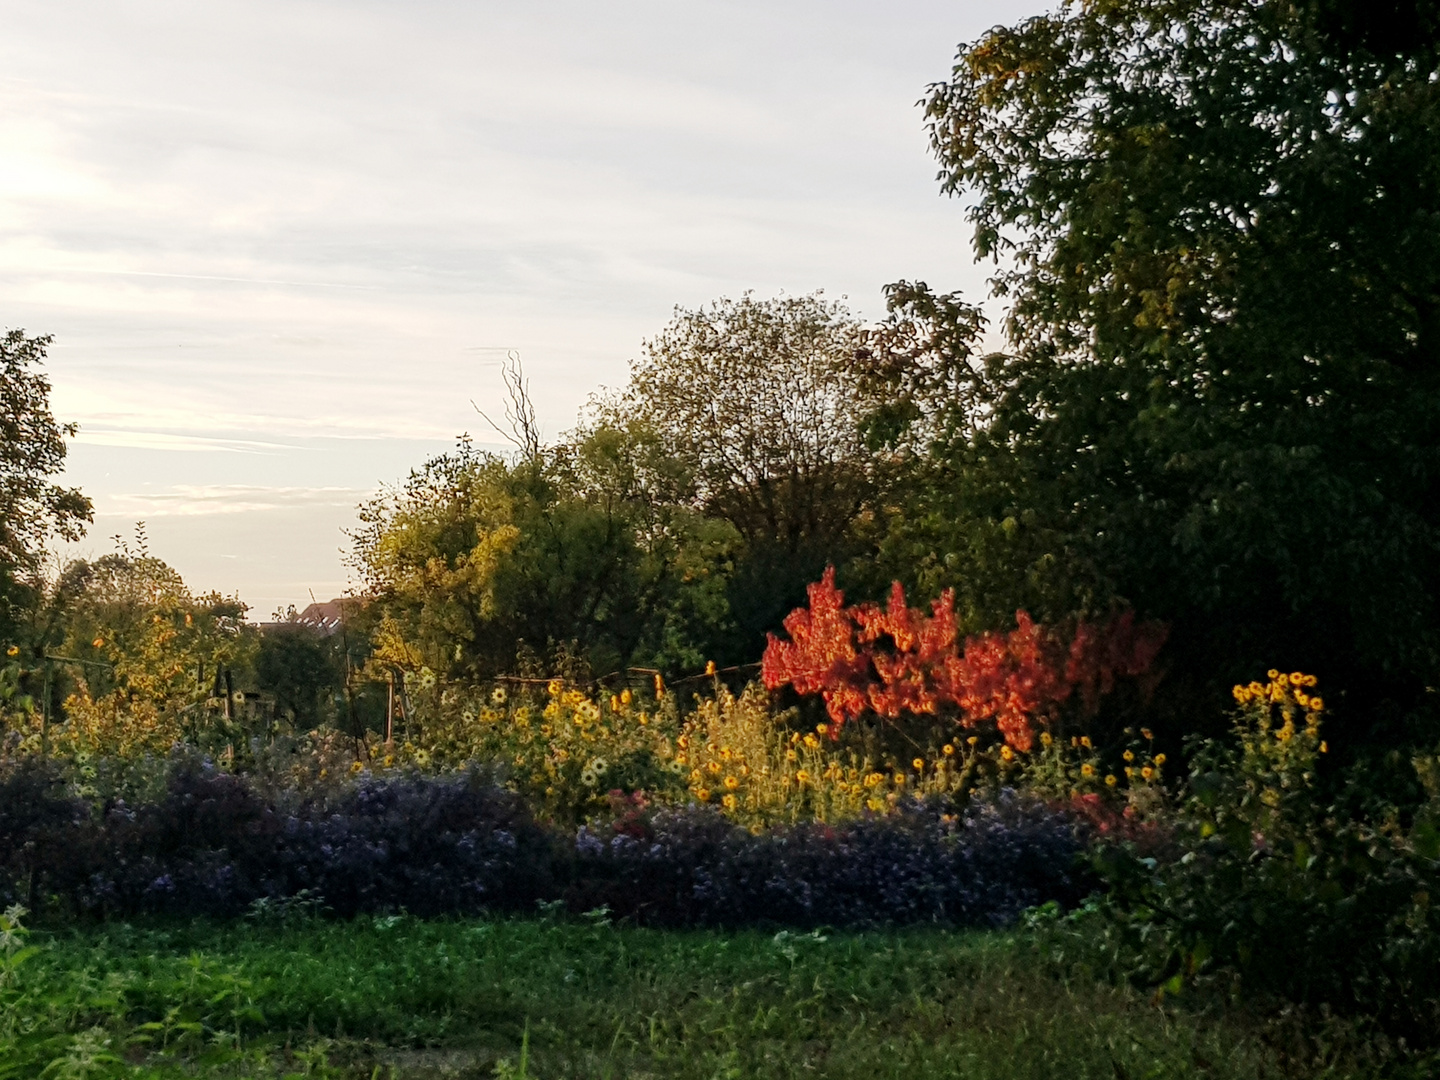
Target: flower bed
211,843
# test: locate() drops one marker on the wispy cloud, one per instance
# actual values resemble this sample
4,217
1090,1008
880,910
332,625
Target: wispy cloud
206,277
193,500
159,440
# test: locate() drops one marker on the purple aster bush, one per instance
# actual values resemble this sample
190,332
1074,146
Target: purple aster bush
211,844
208,842
46,838
979,867
432,846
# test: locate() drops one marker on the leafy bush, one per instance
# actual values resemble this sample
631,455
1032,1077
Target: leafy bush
475,555
564,752
214,843
1277,891
761,770
896,661
750,762
211,844
924,864
149,660
39,822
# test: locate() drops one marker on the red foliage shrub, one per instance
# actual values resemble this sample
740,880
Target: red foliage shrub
897,660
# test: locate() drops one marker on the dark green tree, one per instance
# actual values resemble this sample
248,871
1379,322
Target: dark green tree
300,666
1216,225
33,509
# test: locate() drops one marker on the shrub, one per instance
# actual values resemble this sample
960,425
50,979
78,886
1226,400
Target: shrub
40,822
760,771
749,762
896,661
1276,891
211,844
214,843
924,864
563,752
116,726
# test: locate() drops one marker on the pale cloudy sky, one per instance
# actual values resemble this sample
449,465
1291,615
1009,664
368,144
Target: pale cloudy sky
282,245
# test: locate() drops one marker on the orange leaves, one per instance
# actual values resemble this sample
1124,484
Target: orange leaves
820,656
910,672
1008,678
898,660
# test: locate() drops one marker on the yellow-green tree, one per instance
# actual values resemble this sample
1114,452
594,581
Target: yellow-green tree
566,547
150,664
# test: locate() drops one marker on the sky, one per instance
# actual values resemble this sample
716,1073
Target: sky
283,247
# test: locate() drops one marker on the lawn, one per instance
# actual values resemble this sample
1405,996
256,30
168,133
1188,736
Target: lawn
400,997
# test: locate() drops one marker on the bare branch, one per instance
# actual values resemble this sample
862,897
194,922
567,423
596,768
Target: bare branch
522,429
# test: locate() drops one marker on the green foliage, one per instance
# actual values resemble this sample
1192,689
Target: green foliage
120,658
13,948
760,402
147,662
397,997
683,560
564,750
32,449
1215,225
761,405
299,666
474,555
1275,891
138,631
740,754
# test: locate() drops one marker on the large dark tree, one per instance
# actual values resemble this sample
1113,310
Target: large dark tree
298,663
1216,225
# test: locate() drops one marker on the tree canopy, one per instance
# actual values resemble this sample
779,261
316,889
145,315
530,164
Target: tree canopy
1216,224
32,450
568,547
143,633
762,401
762,405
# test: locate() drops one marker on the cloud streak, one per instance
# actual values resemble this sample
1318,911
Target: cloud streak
192,500
159,440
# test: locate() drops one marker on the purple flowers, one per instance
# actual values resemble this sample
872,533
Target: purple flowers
692,867
213,844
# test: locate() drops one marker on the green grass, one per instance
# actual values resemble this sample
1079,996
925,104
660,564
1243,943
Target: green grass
404,998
